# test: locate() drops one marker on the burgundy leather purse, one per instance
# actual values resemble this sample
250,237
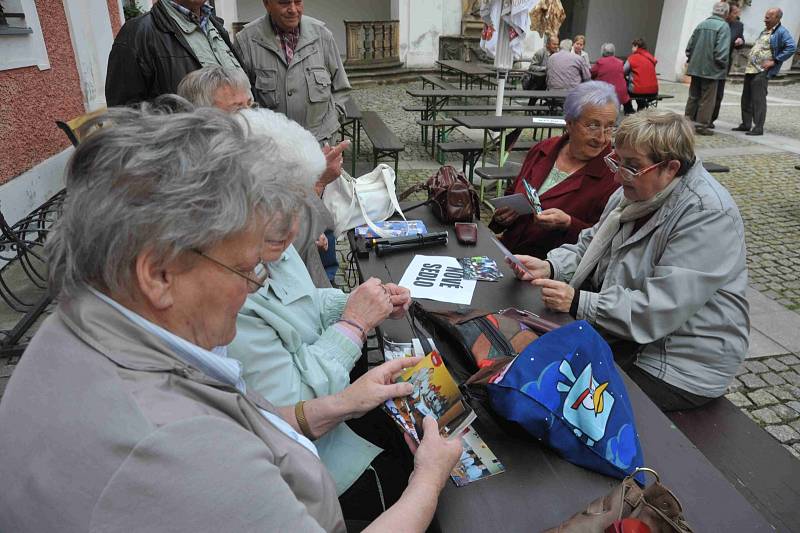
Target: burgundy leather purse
451,196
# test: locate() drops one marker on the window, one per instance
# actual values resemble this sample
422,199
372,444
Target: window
21,39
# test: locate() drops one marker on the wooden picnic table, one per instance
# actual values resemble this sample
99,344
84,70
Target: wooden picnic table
436,99
468,73
539,489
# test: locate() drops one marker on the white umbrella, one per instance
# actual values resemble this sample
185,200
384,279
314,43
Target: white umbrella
506,22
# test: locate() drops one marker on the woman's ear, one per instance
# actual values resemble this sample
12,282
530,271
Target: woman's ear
156,282
673,167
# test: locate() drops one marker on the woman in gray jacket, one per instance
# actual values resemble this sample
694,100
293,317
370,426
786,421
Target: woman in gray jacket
663,270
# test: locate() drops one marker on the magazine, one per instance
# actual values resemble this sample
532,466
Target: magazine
480,268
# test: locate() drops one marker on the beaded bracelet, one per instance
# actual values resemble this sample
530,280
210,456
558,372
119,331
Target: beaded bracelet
355,325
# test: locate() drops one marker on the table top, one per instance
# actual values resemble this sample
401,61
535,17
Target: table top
504,122
538,488
485,93
466,68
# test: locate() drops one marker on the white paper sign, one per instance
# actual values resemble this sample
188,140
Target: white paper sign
438,278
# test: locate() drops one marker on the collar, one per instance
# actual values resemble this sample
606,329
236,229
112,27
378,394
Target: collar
188,21
595,168
280,33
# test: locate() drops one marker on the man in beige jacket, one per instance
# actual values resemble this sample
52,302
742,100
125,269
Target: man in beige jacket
294,66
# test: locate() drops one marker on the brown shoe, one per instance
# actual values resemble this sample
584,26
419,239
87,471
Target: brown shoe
703,131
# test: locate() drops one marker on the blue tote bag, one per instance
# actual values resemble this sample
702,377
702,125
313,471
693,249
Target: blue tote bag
565,390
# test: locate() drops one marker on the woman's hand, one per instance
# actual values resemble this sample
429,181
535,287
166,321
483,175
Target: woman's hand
333,163
553,219
400,298
556,295
375,387
435,456
505,216
536,268
368,305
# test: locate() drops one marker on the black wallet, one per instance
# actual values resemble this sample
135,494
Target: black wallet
467,232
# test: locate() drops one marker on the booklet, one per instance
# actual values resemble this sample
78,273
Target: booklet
393,228
435,394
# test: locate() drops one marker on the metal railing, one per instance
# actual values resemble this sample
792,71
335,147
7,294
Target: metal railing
372,41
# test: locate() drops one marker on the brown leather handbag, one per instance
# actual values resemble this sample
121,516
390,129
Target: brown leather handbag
450,194
656,506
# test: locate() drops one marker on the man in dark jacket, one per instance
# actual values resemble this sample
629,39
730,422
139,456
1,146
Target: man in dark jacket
707,54
737,40
773,46
153,52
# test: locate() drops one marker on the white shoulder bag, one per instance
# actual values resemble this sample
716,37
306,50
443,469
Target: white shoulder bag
364,200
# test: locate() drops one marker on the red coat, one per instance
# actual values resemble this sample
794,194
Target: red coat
583,196
610,70
643,72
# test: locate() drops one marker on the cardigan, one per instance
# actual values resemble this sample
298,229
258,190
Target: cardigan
290,351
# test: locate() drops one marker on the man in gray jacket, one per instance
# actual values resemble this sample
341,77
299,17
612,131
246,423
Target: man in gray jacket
294,67
708,57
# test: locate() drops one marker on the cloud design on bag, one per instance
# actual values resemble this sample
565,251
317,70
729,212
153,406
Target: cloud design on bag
621,448
544,388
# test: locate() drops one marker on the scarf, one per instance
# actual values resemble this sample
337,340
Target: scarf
624,212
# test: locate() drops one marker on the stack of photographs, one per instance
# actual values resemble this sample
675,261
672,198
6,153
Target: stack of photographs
436,394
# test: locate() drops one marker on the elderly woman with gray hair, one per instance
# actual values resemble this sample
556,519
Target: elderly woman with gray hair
297,342
663,273
569,173
229,89
125,413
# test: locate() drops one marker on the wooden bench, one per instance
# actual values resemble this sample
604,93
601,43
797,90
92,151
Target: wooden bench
440,127
384,142
436,81
471,150
749,457
714,167
476,108
508,171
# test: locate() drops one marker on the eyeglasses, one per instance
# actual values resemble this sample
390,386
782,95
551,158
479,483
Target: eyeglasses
596,129
627,173
257,278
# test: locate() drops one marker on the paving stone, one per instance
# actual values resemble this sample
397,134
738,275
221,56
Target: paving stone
762,398
794,405
792,377
5,370
735,385
772,378
775,364
751,381
789,360
782,392
795,425
767,415
756,367
793,450
785,412
738,399
783,433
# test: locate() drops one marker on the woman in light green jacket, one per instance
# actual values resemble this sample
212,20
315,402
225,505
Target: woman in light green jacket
297,342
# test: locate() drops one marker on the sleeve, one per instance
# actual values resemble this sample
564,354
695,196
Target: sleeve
585,73
340,85
722,47
789,48
243,52
626,68
594,70
690,44
331,305
206,474
701,254
277,363
127,78
538,64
